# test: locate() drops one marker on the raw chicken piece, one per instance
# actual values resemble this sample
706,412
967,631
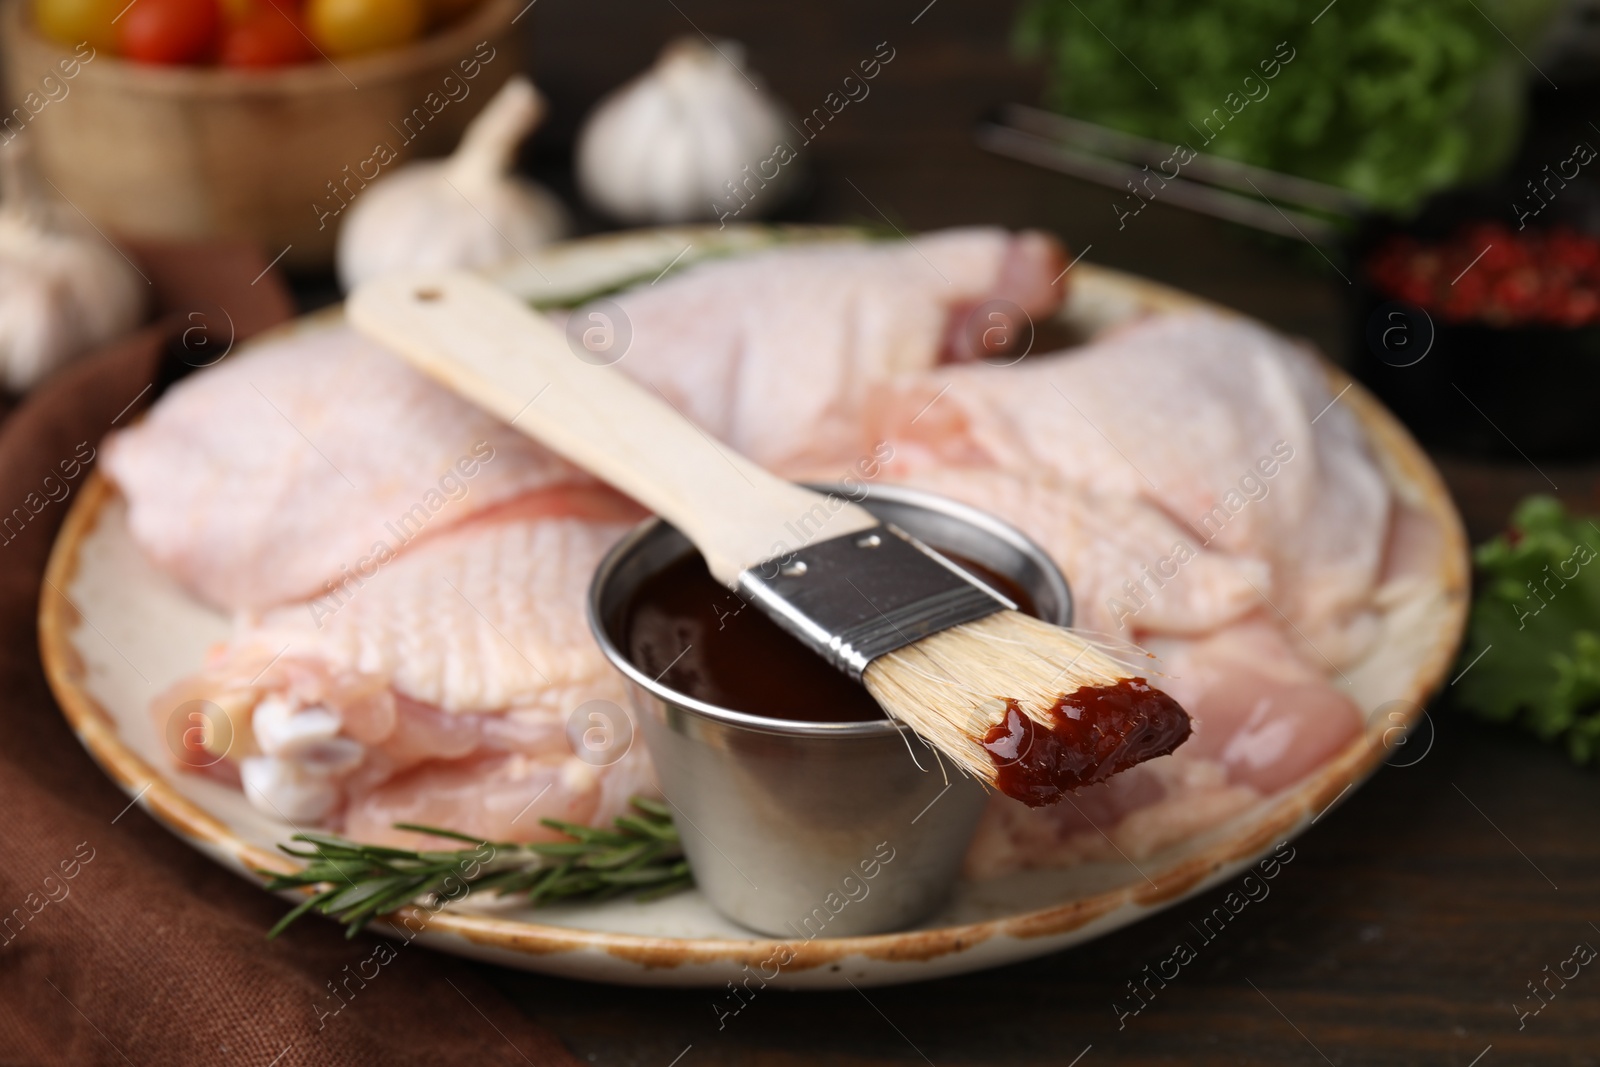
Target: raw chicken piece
440,689
291,464
1266,714
1107,545
499,797
485,617
1219,422
772,352
1032,277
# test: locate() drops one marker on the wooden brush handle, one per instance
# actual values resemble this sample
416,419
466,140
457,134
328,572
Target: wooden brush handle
486,345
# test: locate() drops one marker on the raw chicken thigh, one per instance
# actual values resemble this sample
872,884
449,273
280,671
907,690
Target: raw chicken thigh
439,690
1219,423
1209,499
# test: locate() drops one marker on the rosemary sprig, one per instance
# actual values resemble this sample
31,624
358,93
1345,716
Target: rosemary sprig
775,235
356,883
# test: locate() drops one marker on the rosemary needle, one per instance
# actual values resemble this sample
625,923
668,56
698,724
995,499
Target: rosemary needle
356,883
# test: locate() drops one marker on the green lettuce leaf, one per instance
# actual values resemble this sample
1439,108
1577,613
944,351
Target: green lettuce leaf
1533,643
1391,99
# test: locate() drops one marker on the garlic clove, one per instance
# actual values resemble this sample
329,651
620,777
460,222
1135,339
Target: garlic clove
63,287
464,211
670,145
489,144
34,335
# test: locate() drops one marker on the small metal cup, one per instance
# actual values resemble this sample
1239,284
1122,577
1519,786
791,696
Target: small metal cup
815,829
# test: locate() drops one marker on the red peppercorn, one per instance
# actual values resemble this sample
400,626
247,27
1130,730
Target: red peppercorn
1488,273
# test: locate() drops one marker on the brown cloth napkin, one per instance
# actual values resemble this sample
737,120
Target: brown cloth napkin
149,954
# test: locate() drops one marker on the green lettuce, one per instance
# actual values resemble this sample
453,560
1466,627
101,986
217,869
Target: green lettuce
1390,99
1533,643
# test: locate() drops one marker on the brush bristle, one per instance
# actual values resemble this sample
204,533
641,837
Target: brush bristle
953,687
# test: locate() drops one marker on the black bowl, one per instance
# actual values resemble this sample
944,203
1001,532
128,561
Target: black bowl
1482,391
1470,388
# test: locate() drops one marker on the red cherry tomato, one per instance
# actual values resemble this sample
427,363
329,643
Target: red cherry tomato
170,31
269,37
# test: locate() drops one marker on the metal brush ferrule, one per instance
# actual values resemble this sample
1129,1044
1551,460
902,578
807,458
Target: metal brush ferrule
857,597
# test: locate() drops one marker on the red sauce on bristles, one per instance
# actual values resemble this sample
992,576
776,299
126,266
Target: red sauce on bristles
1036,710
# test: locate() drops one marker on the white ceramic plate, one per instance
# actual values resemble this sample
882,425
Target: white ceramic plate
114,632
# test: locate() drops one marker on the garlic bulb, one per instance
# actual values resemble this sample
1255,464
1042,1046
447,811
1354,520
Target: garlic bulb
690,138
63,287
464,211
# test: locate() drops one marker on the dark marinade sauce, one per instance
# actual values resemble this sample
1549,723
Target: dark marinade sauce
1094,733
701,639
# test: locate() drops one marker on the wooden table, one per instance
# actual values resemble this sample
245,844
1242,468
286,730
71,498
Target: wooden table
1413,916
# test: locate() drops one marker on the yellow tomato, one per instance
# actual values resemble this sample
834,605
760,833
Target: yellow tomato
351,27
71,22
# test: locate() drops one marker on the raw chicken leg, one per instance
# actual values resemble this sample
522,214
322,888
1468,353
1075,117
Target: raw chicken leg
448,688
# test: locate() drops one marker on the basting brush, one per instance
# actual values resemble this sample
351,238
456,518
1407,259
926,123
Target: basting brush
1033,709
